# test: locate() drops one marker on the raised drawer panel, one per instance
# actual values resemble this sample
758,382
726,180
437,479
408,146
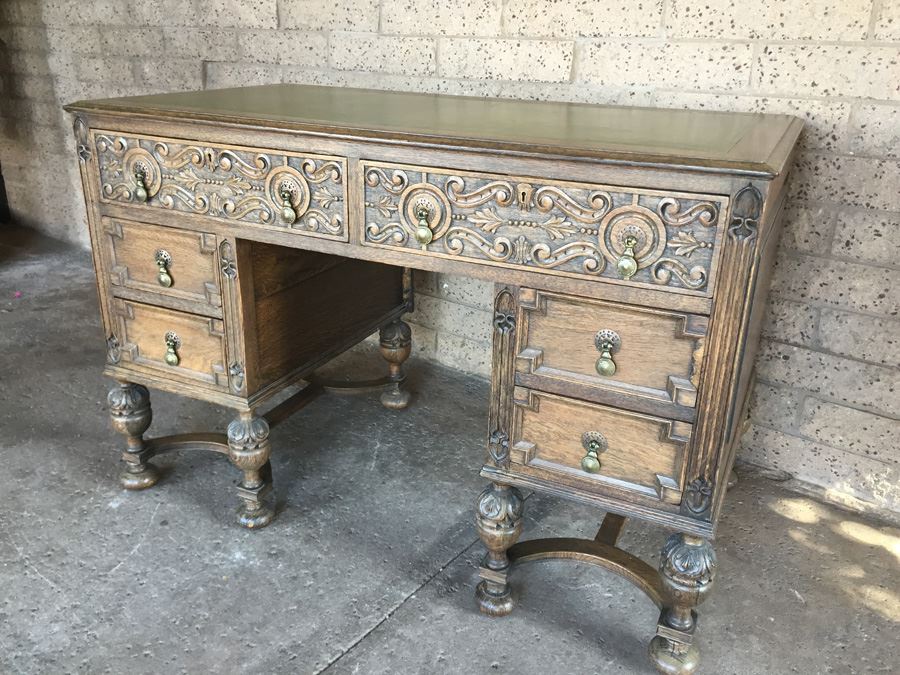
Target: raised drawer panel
571,229
143,331
637,453
629,356
164,261
302,193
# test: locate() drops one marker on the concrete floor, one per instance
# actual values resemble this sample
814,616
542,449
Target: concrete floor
370,565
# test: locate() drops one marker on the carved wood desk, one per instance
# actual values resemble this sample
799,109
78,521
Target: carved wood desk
244,237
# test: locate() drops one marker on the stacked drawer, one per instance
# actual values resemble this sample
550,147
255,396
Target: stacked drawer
167,301
604,395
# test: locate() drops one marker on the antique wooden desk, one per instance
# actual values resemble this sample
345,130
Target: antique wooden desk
244,237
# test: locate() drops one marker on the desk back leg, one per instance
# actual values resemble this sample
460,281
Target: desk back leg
396,344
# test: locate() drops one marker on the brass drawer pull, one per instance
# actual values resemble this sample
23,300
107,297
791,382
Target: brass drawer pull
140,187
424,235
626,265
163,260
173,342
288,212
607,343
594,443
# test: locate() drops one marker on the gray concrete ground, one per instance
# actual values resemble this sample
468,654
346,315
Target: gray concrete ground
370,566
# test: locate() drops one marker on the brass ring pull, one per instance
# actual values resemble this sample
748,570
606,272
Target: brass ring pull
424,235
163,260
626,265
594,443
608,343
140,186
288,212
173,342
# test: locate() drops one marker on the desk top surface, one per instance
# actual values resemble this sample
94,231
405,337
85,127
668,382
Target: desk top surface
752,143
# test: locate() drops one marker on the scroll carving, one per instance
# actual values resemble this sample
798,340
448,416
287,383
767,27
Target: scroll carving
573,229
229,183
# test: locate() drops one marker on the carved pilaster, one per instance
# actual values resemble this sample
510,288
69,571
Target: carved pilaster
498,519
248,449
687,569
131,415
502,377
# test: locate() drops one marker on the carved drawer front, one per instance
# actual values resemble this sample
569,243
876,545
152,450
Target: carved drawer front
175,344
622,235
634,357
598,448
178,264
302,193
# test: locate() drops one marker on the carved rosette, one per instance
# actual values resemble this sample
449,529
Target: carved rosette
82,144
573,229
697,498
498,518
229,183
498,447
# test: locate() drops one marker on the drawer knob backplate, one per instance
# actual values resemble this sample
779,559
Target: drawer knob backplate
594,443
626,265
163,260
608,343
424,235
173,342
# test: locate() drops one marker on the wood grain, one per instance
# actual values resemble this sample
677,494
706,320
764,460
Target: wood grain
201,349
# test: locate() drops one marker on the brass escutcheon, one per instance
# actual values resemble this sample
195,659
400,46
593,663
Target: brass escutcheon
626,265
173,342
594,443
288,213
424,235
607,342
163,276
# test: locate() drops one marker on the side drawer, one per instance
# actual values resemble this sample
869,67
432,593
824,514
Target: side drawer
635,454
622,235
164,261
639,358
303,193
147,335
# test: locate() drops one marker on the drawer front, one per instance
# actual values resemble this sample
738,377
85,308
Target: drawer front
628,356
302,193
147,335
634,454
622,235
174,263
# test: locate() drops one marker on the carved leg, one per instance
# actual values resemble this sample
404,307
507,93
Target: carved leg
248,449
396,340
498,520
687,568
129,409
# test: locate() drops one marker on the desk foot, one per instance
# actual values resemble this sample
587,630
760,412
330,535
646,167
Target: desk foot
687,568
395,340
130,412
248,450
498,519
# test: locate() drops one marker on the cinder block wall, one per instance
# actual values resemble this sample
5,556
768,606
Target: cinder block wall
828,402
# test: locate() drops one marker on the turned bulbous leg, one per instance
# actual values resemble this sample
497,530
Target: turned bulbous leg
130,412
498,519
248,449
396,344
687,568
